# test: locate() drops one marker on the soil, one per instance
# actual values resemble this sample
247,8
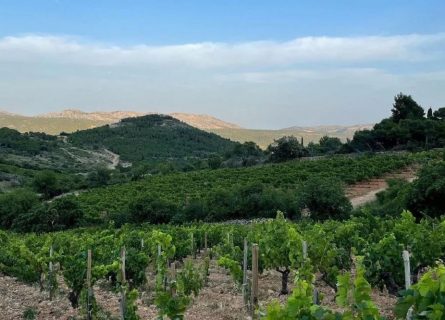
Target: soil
365,191
220,299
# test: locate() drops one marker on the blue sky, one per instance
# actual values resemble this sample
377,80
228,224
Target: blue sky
263,64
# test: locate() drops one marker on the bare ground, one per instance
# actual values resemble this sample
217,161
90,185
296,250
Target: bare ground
219,300
365,191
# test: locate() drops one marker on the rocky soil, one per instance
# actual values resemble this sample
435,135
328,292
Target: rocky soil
219,300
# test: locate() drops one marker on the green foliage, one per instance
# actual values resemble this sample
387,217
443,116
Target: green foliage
61,214
152,209
326,145
286,148
354,293
26,144
426,298
215,195
405,107
46,183
428,191
14,204
234,267
280,247
325,198
30,314
406,129
153,139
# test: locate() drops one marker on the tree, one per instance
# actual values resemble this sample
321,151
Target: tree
286,148
15,203
100,177
428,191
46,183
325,198
152,209
330,144
439,114
430,113
61,214
405,107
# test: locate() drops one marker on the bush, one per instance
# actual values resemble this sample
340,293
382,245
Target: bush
428,191
325,198
14,204
152,209
61,214
46,183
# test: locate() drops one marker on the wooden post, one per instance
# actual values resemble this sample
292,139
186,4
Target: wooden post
406,263
205,243
123,282
142,243
192,247
316,299
245,291
304,250
159,250
51,273
254,293
173,277
90,290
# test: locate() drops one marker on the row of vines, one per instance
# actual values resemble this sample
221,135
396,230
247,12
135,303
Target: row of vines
369,246
182,188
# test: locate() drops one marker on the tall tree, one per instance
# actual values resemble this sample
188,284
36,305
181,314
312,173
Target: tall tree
405,107
429,113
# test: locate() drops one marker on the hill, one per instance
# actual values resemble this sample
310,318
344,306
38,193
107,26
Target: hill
71,120
47,125
153,138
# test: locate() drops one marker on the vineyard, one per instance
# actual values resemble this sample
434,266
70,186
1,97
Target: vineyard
167,266
181,189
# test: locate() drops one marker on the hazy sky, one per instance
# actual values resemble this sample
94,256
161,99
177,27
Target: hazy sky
261,64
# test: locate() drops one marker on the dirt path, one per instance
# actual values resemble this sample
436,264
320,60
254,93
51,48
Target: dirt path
366,191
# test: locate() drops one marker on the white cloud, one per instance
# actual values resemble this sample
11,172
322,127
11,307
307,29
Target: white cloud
210,55
305,81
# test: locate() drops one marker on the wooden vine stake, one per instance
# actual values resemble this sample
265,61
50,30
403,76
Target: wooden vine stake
304,250
51,273
205,243
245,291
192,246
173,278
90,289
123,282
254,293
407,267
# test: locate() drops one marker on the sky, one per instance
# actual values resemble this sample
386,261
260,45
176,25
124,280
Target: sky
260,64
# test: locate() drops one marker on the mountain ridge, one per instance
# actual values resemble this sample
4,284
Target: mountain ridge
200,121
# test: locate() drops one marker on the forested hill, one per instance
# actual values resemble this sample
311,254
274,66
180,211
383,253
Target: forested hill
151,138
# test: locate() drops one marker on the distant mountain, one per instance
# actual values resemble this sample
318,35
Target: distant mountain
72,120
109,117
331,128
309,134
200,121
47,125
